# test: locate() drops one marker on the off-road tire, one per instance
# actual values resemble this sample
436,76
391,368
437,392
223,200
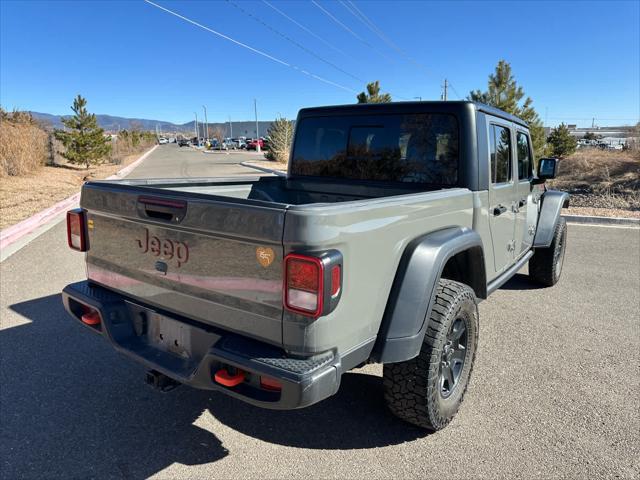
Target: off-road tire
413,389
546,264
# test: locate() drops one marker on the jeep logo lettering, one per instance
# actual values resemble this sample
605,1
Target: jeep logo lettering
169,249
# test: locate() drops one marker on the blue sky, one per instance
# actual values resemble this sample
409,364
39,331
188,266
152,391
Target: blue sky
577,60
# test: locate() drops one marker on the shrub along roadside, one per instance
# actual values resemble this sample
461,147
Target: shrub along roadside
24,144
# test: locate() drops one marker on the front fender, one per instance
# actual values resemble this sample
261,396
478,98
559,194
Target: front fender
552,203
409,306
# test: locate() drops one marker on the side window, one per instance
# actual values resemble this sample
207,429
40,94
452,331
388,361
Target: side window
500,145
524,157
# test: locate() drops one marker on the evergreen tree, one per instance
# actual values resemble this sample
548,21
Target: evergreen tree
504,93
373,95
590,136
280,135
83,140
561,141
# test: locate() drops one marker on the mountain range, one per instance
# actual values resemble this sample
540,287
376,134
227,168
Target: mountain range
113,124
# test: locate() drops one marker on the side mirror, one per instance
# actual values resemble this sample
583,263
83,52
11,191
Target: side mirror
546,169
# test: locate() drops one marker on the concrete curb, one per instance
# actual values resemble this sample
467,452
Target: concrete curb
15,232
263,169
596,220
129,168
20,229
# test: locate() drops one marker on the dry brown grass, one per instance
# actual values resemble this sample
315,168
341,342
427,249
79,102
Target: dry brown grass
601,179
23,196
24,146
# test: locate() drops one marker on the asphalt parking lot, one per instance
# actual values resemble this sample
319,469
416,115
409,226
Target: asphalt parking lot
555,390
171,161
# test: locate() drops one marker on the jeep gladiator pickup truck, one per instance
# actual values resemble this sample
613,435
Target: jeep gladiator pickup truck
392,223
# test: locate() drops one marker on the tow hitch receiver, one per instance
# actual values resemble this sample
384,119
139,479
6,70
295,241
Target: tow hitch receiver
160,381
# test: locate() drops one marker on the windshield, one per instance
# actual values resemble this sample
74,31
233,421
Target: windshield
408,148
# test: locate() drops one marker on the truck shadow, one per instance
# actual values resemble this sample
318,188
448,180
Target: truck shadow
72,407
520,281
355,418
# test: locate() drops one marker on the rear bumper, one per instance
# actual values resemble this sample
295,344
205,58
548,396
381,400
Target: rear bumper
201,351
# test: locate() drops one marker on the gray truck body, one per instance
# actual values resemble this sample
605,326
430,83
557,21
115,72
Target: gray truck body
187,254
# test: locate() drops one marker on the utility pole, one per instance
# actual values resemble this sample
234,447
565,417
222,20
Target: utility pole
206,125
255,109
230,128
196,129
593,122
546,116
418,98
444,90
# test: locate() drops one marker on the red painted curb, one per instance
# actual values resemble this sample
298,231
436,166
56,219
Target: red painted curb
15,232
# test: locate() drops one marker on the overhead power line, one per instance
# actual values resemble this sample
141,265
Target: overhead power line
313,34
360,15
356,12
346,28
254,50
289,39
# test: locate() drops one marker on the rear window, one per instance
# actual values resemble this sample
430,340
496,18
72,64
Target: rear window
407,148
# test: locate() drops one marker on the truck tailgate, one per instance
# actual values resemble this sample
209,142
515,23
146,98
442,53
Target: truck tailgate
218,261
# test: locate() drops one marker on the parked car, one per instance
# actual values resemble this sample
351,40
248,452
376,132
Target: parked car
183,142
393,222
253,144
231,144
216,145
162,141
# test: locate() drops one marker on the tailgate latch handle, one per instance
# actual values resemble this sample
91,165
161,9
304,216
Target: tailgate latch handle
166,210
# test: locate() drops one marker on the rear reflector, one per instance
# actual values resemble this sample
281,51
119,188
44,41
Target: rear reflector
335,280
77,230
303,284
269,383
223,377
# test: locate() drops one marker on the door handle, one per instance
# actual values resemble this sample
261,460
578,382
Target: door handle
499,210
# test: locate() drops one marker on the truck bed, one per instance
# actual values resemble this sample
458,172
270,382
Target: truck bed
275,190
212,249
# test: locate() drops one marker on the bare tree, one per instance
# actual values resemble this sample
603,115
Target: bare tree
217,133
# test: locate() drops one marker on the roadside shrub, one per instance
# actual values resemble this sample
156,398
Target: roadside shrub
129,142
24,145
280,135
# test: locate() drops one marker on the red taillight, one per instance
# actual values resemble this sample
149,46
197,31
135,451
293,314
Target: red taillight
303,290
77,230
335,280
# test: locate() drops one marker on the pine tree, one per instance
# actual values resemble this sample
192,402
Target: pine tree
504,93
373,95
280,135
590,136
84,141
561,141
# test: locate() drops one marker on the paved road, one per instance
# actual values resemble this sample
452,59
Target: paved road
171,161
555,390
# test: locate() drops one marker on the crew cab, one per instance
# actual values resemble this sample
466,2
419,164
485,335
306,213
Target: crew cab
393,221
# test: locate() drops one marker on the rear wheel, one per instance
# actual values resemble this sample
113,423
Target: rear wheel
546,264
427,390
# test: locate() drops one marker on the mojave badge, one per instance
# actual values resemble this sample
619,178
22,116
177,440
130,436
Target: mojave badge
265,256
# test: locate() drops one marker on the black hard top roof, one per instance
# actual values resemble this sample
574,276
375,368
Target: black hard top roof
402,107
